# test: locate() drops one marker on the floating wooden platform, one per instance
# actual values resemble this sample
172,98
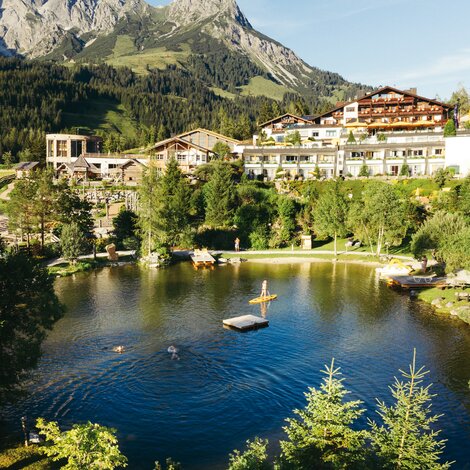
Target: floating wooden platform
260,300
246,323
202,259
416,282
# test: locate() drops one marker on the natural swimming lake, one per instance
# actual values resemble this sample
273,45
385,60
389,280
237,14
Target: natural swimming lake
227,386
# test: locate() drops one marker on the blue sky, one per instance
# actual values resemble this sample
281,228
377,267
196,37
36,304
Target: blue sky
403,43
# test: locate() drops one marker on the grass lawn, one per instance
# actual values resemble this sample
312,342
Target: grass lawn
29,458
9,172
260,86
158,57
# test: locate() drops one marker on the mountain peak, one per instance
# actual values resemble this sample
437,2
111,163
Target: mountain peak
190,11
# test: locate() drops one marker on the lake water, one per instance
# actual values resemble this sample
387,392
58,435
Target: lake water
226,386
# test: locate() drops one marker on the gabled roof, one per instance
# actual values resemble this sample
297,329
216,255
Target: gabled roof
382,90
283,116
25,166
180,141
131,161
212,133
80,163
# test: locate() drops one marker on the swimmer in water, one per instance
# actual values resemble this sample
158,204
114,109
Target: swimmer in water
174,353
119,349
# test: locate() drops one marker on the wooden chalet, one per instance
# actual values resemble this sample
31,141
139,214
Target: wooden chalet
131,171
25,169
188,155
80,169
388,109
208,139
287,120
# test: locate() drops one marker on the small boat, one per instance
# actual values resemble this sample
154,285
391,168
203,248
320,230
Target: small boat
260,300
394,268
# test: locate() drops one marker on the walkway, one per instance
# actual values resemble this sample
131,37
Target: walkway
310,253
57,261
5,195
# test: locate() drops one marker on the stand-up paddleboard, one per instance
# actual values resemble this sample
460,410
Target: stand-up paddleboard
260,300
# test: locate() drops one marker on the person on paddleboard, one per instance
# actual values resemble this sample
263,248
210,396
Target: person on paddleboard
264,289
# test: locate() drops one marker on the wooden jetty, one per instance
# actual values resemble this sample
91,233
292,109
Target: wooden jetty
416,282
246,323
202,259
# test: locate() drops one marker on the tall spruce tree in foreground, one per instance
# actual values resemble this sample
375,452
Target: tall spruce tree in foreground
321,437
219,194
406,438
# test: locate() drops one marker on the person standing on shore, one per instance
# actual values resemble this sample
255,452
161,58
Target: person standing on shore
237,244
424,263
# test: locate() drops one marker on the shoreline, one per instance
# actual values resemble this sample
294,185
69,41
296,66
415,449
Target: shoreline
310,259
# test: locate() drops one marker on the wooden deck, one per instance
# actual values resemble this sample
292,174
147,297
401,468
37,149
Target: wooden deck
202,259
416,282
246,323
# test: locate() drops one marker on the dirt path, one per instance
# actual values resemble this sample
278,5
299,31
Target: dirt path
5,195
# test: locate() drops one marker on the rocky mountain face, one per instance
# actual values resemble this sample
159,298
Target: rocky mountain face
130,32
35,28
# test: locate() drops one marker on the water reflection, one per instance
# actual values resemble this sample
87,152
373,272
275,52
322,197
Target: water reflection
228,387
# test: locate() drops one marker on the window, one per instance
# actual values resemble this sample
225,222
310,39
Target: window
181,158
62,148
350,109
330,133
438,152
291,158
315,134
76,147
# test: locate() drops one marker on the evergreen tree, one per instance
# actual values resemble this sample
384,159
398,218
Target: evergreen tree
406,438
255,457
219,195
172,205
72,241
284,227
351,138
85,447
405,170
330,215
28,309
449,129
321,437
364,171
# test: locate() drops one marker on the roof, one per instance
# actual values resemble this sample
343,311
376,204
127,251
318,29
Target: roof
206,131
283,116
181,141
381,90
133,161
80,163
25,166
